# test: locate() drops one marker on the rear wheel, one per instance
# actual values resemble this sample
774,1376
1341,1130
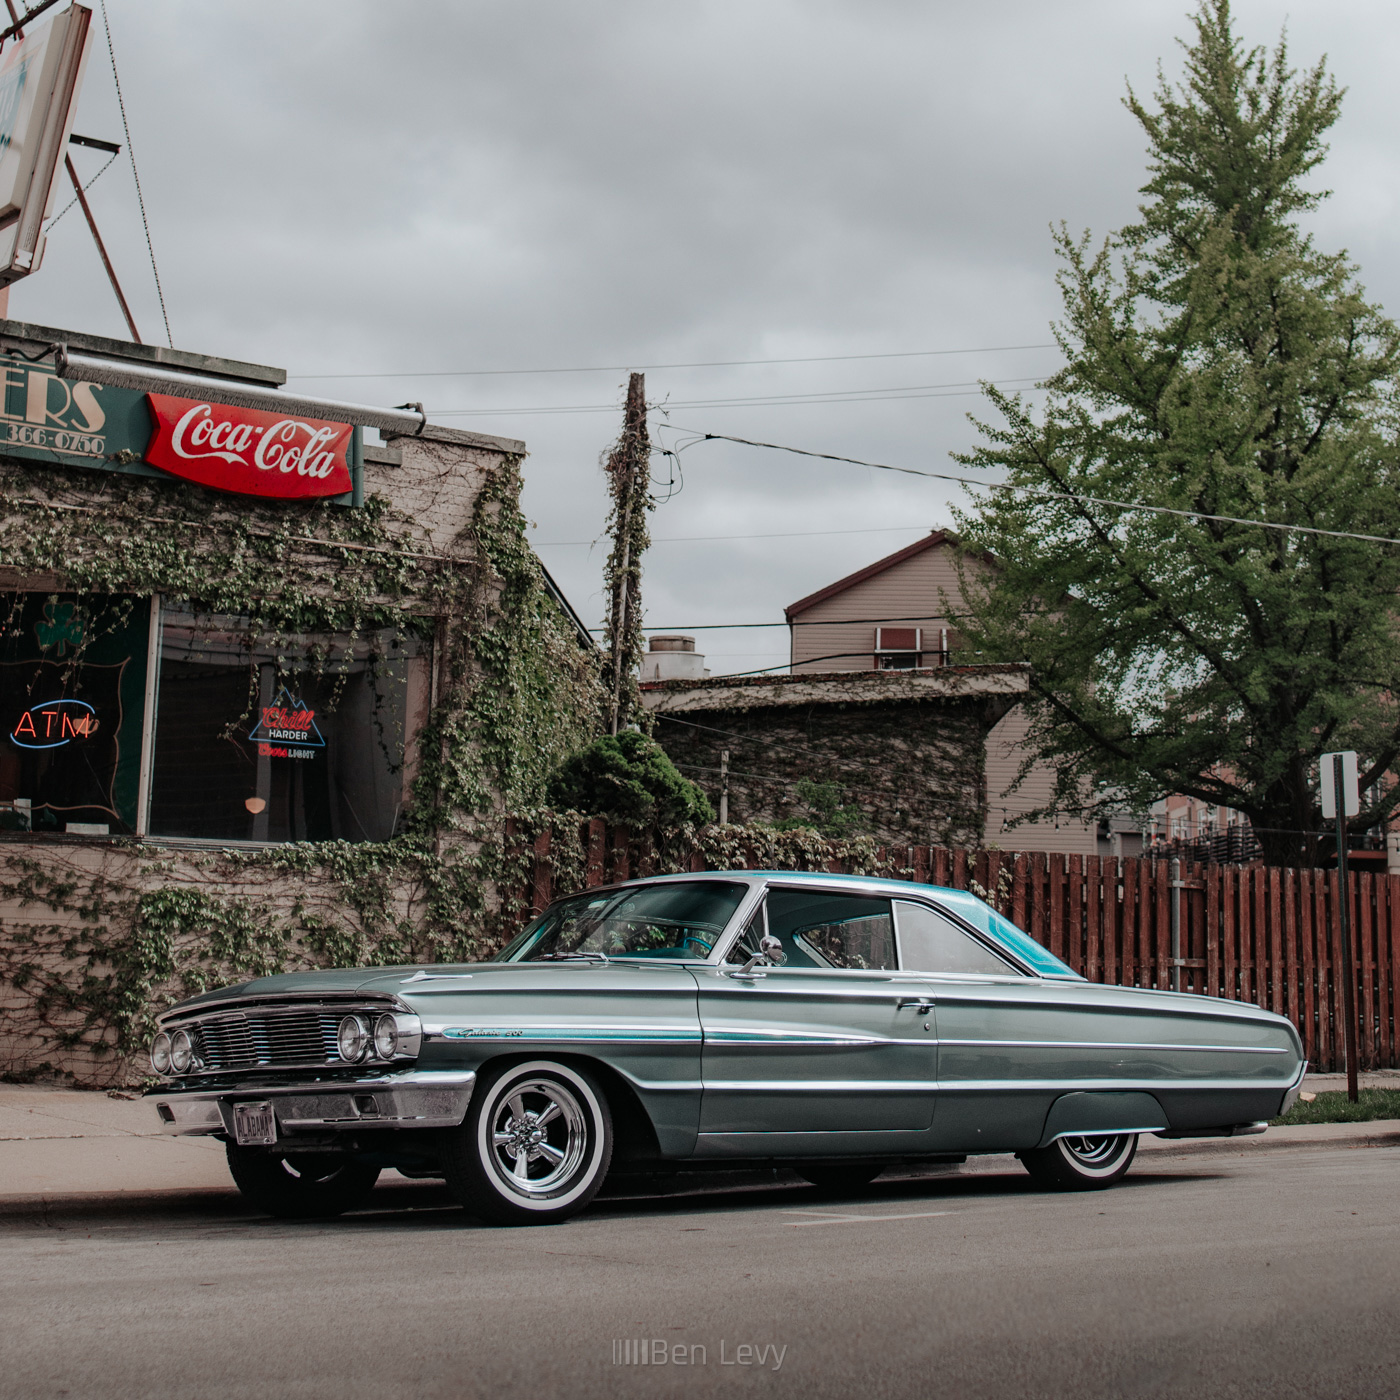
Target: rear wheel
301,1185
839,1180
1081,1163
535,1146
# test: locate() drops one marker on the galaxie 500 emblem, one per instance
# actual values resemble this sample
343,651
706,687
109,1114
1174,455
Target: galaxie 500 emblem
247,450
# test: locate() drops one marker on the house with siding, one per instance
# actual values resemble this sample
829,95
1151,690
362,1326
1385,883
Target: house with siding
900,614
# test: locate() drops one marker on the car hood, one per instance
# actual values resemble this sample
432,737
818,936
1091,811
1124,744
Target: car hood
420,980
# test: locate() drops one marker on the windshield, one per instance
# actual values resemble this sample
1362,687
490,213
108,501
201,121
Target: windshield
982,916
681,920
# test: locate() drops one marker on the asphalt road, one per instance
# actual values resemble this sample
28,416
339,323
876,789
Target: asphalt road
1254,1274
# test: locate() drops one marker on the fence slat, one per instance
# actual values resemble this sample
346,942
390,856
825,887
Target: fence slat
1361,925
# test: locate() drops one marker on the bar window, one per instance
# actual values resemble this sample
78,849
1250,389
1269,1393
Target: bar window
288,739
72,682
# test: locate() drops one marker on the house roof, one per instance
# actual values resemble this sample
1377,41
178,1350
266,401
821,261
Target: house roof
835,688
910,551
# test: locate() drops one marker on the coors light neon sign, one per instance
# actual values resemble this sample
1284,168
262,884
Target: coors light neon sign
247,450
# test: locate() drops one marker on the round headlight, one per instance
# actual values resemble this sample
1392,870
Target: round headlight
386,1037
160,1054
352,1039
181,1051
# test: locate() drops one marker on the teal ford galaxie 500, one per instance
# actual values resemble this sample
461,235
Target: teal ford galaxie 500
834,1024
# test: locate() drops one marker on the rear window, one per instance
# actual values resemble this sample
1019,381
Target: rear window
986,919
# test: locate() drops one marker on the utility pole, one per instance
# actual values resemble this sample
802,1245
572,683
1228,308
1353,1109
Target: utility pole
724,788
629,468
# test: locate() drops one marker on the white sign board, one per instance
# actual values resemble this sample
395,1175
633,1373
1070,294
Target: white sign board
40,77
1327,771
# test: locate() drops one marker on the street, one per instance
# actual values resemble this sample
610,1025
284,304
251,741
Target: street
1233,1273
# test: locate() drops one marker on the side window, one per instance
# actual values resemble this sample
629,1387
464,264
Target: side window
930,943
820,929
746,945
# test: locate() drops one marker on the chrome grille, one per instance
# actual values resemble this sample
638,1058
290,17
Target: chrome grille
279,1036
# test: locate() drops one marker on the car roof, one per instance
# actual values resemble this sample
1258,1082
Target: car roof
800,877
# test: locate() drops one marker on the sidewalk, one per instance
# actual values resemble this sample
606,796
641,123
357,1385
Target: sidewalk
66,1147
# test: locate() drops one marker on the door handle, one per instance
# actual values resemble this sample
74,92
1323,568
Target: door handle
921,1005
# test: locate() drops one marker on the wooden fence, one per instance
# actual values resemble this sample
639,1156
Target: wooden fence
1247,933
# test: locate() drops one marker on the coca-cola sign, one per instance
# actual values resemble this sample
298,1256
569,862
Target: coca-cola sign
247,450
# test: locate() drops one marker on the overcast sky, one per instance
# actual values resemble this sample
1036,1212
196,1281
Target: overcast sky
401,192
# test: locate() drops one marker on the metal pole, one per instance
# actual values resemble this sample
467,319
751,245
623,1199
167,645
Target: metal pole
724,788
1176,925
97,238
1343,896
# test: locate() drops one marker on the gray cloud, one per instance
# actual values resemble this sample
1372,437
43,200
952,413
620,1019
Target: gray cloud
339,186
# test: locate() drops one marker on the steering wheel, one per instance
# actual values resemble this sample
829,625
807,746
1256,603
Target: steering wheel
695,938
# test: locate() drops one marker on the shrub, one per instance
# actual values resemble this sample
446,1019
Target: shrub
628,778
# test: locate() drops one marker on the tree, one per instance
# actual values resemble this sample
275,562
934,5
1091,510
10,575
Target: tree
629,778
1219,365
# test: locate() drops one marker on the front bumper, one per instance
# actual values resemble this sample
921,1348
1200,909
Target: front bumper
417,1099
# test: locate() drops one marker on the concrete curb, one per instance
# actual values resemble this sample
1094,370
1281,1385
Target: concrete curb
1382,1132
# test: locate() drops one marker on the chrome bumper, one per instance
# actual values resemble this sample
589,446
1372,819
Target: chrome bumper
1294,1089
418,1099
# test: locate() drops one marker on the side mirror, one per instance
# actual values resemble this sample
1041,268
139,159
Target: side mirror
771,950
770,954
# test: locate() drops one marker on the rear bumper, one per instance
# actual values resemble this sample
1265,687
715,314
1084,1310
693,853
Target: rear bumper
417,1099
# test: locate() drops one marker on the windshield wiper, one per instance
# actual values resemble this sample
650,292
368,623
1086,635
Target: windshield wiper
592,957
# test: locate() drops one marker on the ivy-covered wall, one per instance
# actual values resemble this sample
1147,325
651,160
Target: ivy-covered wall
97,934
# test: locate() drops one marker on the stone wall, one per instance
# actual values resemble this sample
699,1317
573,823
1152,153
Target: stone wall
913,769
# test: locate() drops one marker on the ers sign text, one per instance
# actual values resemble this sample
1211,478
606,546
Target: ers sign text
247,450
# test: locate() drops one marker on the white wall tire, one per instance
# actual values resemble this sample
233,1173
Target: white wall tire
535,1146
1082,1163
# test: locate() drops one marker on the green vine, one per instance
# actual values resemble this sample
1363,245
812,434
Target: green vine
94,954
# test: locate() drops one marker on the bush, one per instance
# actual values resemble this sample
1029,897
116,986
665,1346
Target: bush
629,778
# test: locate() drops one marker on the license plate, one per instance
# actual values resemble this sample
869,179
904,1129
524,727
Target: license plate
254,1125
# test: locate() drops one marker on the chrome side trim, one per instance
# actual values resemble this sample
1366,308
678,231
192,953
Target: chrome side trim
723,1035
821,1086
1066,1086
1119,1045
976,1086
419,1099
629,1035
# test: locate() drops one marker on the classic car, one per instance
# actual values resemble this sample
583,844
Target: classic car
832,1024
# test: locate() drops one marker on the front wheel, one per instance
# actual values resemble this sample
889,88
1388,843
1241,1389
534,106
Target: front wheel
1081,1163
301,1185
535,1146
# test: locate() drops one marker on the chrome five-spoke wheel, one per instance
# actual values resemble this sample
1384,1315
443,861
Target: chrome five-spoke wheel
535,1146
1081,1163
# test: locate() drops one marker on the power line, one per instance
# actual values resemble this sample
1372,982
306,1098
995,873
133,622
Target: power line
711,539
1050,495
683,364
131,152
72,202
833,396
817,622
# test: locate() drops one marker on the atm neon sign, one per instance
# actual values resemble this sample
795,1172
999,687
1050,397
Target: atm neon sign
53,723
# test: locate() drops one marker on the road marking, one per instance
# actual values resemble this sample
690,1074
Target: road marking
831,1218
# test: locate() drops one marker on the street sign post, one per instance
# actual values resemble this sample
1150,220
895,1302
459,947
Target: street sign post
1341,798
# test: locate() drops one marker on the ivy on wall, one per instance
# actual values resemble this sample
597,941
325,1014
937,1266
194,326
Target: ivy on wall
515,694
